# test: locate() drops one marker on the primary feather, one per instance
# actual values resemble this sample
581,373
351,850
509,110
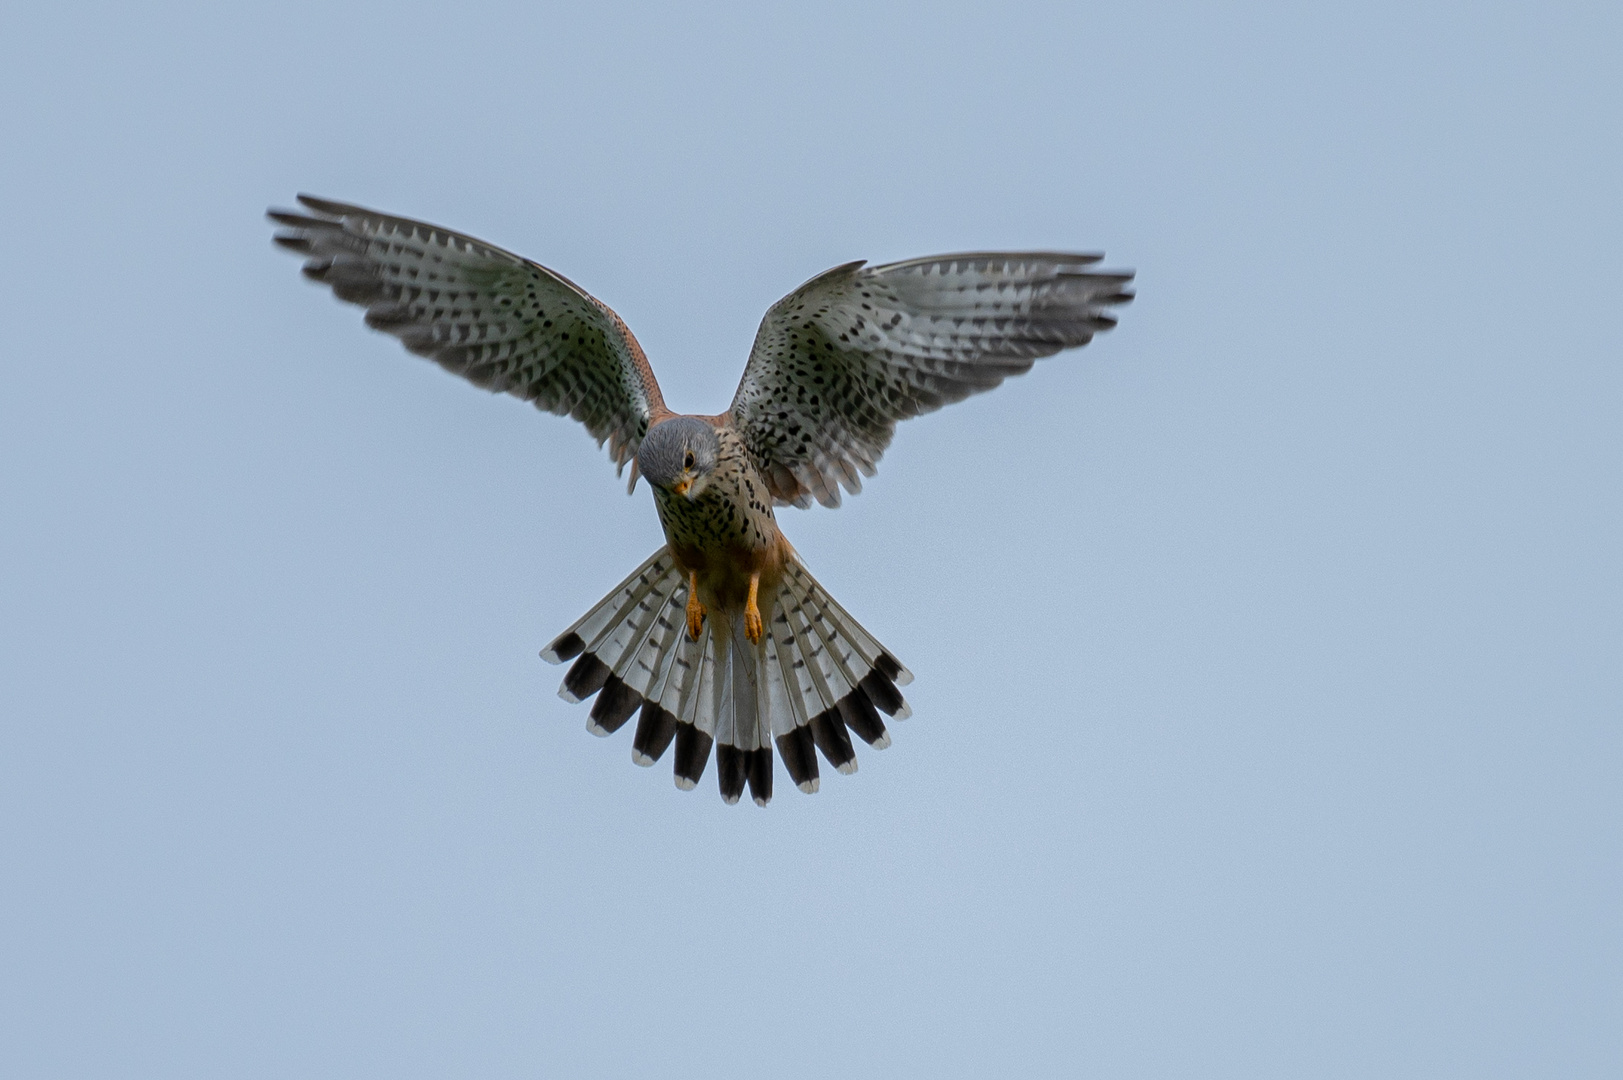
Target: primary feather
496,319
840,360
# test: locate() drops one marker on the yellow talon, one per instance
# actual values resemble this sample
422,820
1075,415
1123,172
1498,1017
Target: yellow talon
752,614
695,609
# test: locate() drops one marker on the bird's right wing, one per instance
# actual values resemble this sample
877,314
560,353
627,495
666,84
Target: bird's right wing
841,359
500,321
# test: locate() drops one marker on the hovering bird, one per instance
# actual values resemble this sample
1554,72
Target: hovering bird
722,637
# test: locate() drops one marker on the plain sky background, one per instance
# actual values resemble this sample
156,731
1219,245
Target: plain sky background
1269,650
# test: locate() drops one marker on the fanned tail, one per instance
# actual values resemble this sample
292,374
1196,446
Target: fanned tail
815,676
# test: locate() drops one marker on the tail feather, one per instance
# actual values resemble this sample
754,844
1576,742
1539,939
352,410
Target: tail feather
700,696
833,741
655,730
789,689
872,653
816,676
648,655
619,645
834,663
732,767
799,755
604,616
692,754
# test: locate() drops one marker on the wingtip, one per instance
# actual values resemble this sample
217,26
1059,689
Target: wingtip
330,207
683,783
808,787
563,692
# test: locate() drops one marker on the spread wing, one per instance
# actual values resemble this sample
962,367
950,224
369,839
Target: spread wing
500,321
841,359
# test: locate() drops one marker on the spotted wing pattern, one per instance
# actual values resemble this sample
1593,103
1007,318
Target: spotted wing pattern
840,360
500,321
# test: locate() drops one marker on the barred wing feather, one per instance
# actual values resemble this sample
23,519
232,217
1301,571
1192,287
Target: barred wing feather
840,360
496,319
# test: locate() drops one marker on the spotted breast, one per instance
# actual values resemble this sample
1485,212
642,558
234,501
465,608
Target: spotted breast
728,532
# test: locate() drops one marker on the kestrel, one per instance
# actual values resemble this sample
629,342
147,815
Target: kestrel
721,637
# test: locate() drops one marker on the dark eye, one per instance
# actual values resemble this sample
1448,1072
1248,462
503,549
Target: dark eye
687,460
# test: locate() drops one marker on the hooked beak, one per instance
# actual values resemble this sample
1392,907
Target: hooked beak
682,485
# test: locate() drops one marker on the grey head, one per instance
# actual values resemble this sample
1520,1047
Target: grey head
679,455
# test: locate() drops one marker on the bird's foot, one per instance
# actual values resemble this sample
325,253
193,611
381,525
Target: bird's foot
695,609
752,614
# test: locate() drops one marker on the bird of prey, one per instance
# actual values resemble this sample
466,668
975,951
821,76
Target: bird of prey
722,637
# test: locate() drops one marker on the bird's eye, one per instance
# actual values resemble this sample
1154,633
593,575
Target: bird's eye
687,460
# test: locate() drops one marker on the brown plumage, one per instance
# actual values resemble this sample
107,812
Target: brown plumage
721,638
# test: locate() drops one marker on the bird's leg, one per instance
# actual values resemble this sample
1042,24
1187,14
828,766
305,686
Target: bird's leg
695,609
752,614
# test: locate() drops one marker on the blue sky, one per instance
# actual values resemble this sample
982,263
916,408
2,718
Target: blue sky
1269,651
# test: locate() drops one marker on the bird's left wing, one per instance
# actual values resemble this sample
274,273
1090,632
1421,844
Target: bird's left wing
500,321
841,359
